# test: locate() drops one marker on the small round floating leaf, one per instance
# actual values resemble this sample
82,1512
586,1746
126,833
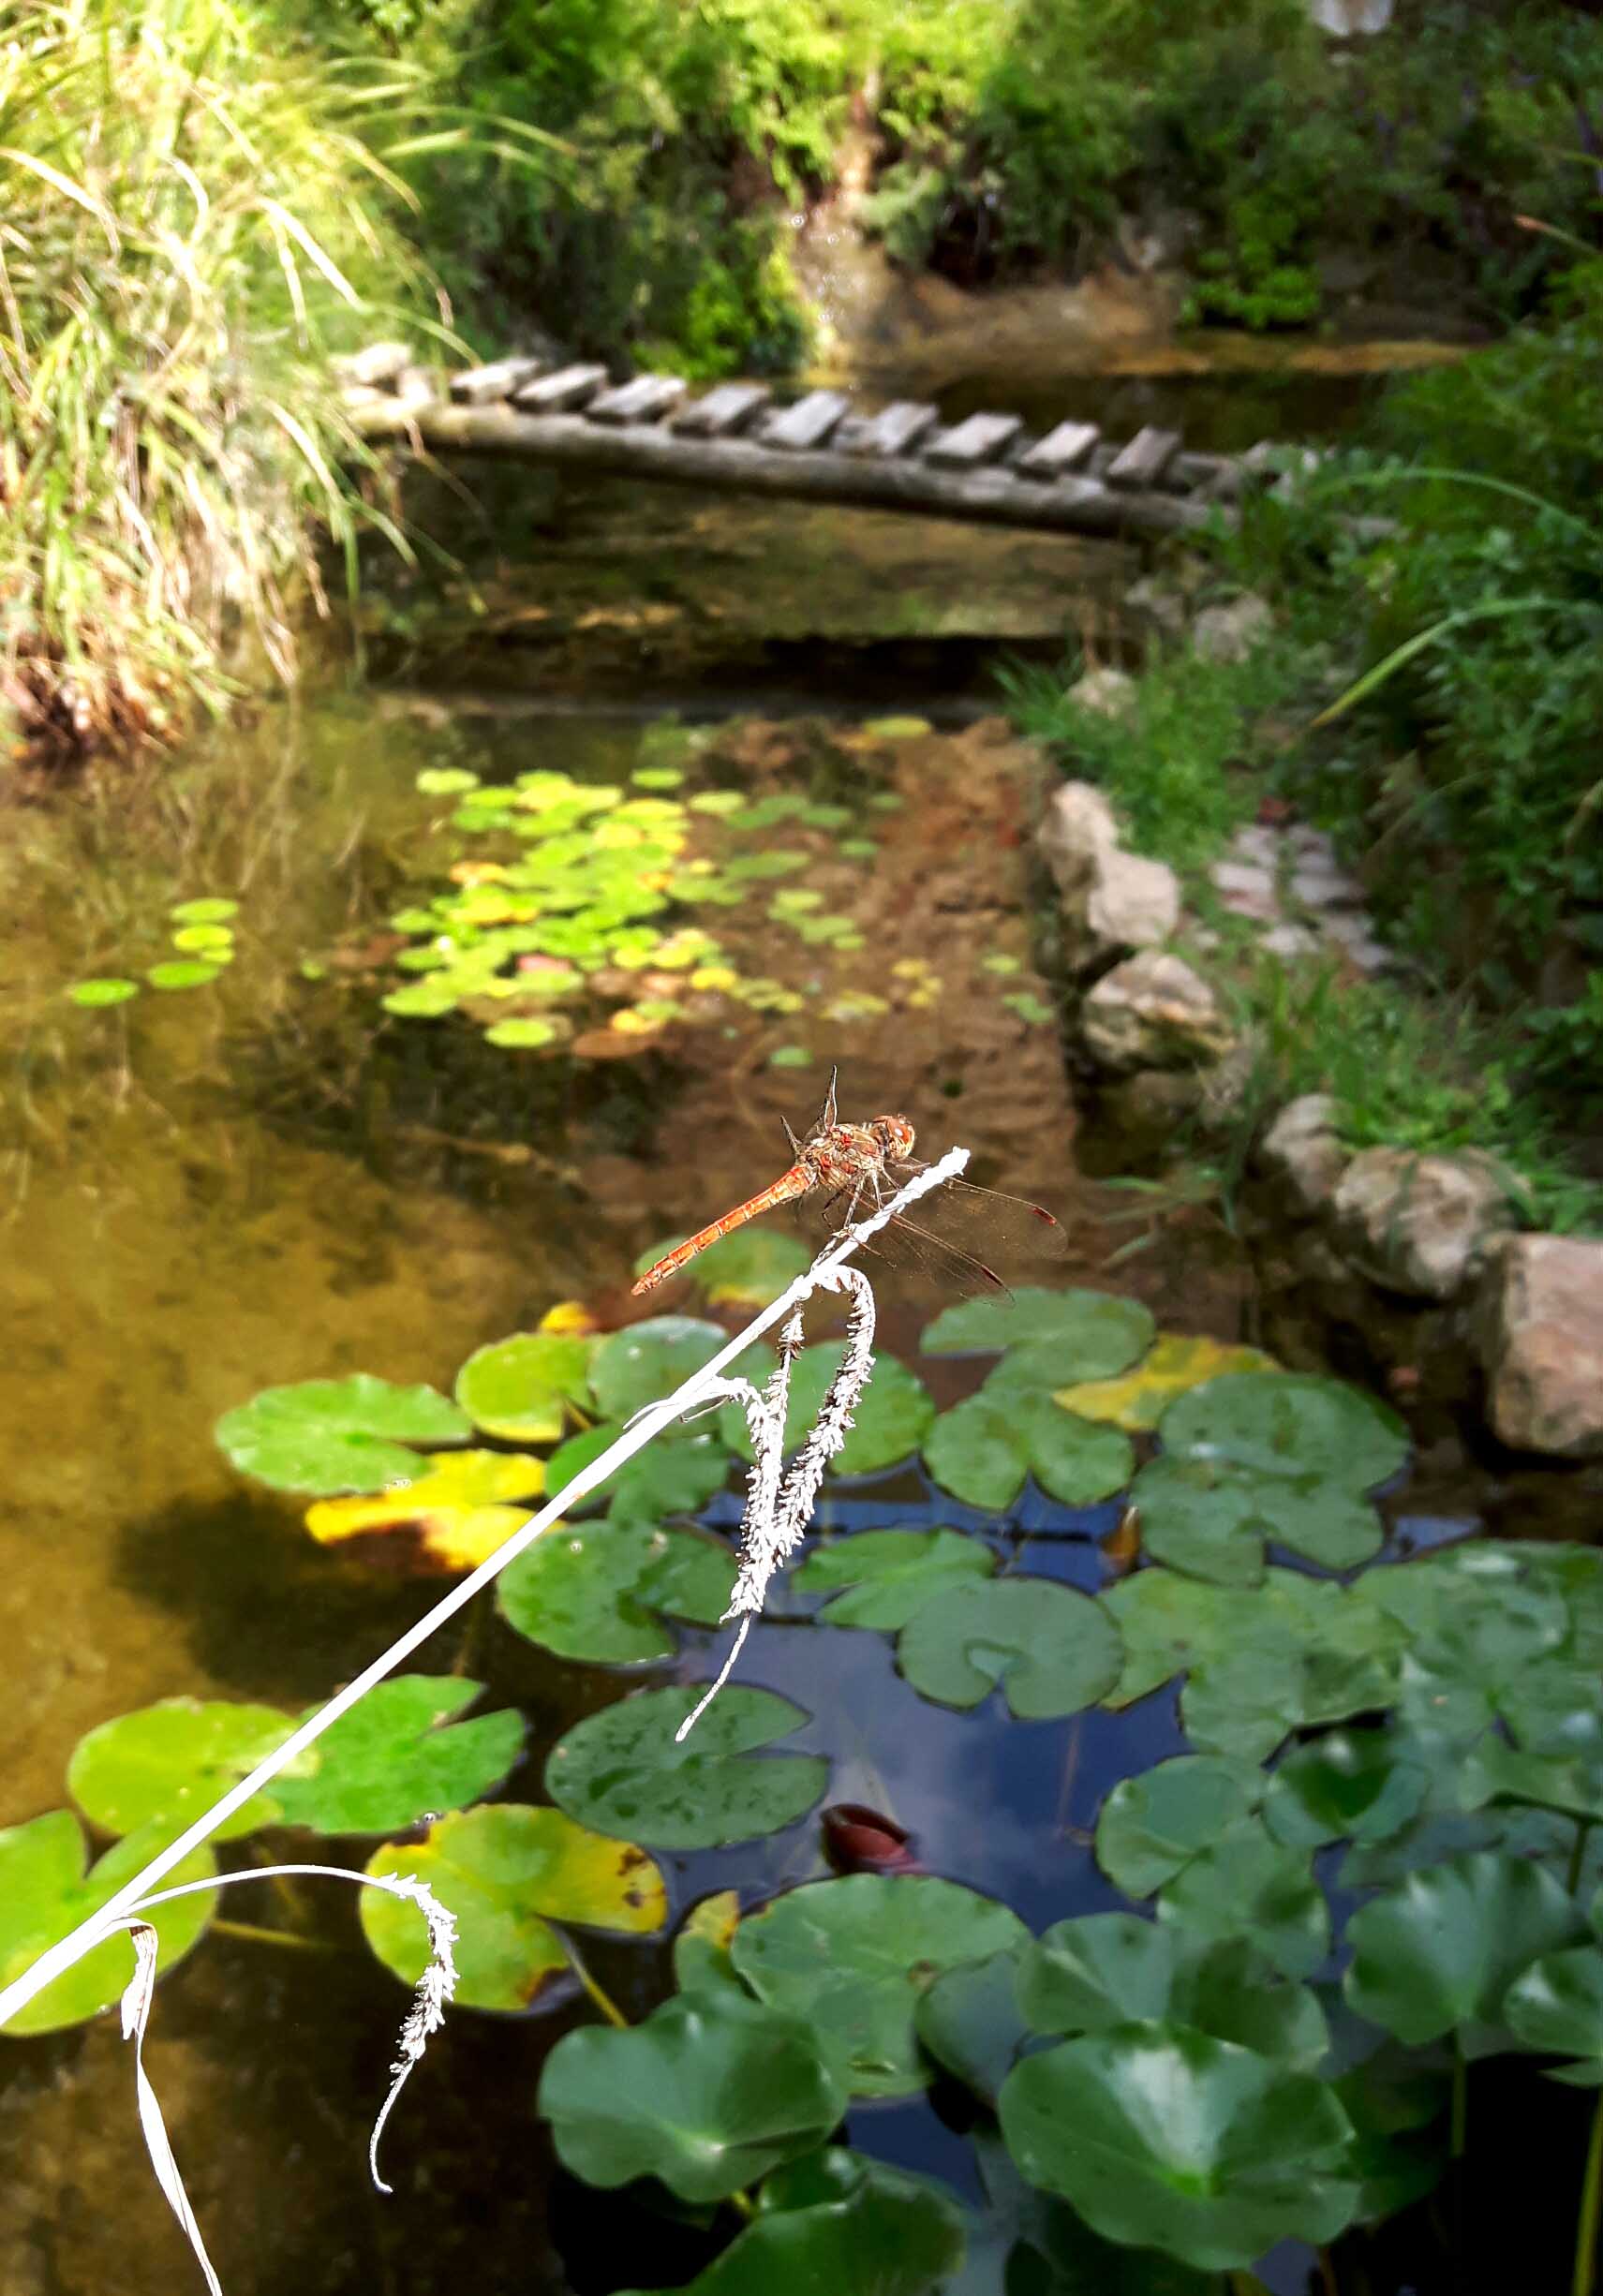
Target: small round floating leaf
1354,1786
1283,1423
422,1000
447,781
791,1056
642,1365
982,1449
657,777
212,939
523,1035
389,1764
890,1419
1162,2137
47,1888
210,909
1211,1518
1440,1952
1178,1362
452,1516
165,1763
330,1435
749,1268
709,2095
523,1387
594,1590
1170,1622
971,2023
183,973
702,1943
1557,2006
499,1869
1031,1008
1097,1971
853,1956
622,1770
106,991
895,729
890,1575
1248,1884
1051,1649
1095,1333
1154,1824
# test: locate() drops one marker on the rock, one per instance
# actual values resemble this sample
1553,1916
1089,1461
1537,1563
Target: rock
1422,1225
1348,18
1153,1012
1159,605
1079,827
1242,876
1258,845
1287,940
1312,848
1229,633
1539,1336
1317,887
1148,1109
1110,692
1301,1151
1112,901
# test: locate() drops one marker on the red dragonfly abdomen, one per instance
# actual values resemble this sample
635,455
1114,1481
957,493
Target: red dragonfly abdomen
798,1181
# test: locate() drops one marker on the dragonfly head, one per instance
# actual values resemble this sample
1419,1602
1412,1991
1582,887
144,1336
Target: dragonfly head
894,1135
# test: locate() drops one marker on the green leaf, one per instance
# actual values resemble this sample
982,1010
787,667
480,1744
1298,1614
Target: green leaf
213,938
1106,1970
702,1943
1211,1518
891,1420
594,1590
890,1575
751,1267
107,992
388,1764
165,1763
181,973
1247,1885
982,1449
1437,1954
451,1517
1178,1362
47,1888
210,909
506,1871
1162,2137
1354,1785
970,2022
1281,1423
623,1771
642,1365
1031,1008
1092,1334
523,1387
1557,2006
421,999
1051,1649
1154,1824
710,2094
676,1474
853,1955
328,1435
447,781
523,1035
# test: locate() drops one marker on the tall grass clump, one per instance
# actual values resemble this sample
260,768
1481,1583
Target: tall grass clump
192,222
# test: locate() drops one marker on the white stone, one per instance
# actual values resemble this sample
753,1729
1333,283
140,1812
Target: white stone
1347,18
1419,1226
1313,846
1300,1150
1112,901
1242,876
1317,887
1153,1012
1110,692
1540,1339
1229,633
1078,828
1290,940
1158,603
1257,844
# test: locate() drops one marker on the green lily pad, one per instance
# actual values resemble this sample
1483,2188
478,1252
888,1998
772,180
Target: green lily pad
889,1421
1162,2137
982,1449
1051,1649
623,1771
388,1764
709,2095
1290,1423
753,1265
47,1888
676,1474
971,2022
853,1956
888,1575
895,729
597,1591
422,1000
1211,1518
1438,1954
523,1035
702,1943
1557,2005
211,939
181,973
1354,1786
1154,1824
648,1361
328,1435
105,991
211,909
507,1870
1106,1970
1093,1334
447,781
1178,1362
521,1388
1031,1008
168,1762
1248,1886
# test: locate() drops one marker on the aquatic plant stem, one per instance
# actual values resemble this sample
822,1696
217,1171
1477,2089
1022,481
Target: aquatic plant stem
594,1989
642,1431
257,1934
1460,2099
1577,1854
1585,2278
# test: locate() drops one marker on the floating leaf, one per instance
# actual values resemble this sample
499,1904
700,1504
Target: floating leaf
594,1590
657,777
47,1888
1031,1008
971,2023
1438,1954
1049,1649
211,909
701,1946
751,1267
449,781
454,1515
1093,1334
524,1035
523,1387
623,1772
998,962
1291,1424
1162,2137
181,973
648,1361
106,991
1247,1885
388,1764
1557,2006
1211,1518
853,1956
889,1421
891,1574
709,2095
421,999
1177,1363
982,1449
1153,1825
337,1434
1354,1785
895,729
165,1763
858,849
506,1871
213,938
1104,1970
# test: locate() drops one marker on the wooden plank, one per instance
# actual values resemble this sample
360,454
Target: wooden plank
1189,473
796,430
897,428
1143,462
725,409
980,439
1062,450
848,435
644,399
553,394
481,386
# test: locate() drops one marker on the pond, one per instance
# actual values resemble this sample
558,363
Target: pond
337,1153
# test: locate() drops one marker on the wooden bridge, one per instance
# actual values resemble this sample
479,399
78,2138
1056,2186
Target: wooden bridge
820,448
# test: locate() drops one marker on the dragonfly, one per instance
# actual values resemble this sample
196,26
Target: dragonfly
850,1170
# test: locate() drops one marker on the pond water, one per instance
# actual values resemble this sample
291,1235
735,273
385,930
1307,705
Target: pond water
270,1179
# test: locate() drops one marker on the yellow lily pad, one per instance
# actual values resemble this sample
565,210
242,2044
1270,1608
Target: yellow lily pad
455,1515
568,1317
1137,1400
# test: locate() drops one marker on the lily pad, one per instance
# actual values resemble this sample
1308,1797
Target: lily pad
751,1267
211,909
1106,1970
454,1515
982,1449
888,1575
972,2024
47,1888
1354,1786
209,940
676,1474
708,2094
700,1946
1438,1954
1289,1424
521,1388
1162,2137
389,1764
648,1361
1248,1886
507,1870
1051,1649
103,991
853,1955
1211,1518
622,1770
1557,2006
1153,1825
1092,1334
1177,1363
165,1763
446,781
890,1420
328,1435
524,1035
598,1591
181,973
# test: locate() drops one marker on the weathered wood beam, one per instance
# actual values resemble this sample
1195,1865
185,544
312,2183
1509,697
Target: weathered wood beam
979,439
726,409
644,399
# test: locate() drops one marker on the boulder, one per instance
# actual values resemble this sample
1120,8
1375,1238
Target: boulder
1539,1336
1420,1225
1110,692
1153,1012
1159,604
1229,633
1078,829
1302,1152
1112,901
